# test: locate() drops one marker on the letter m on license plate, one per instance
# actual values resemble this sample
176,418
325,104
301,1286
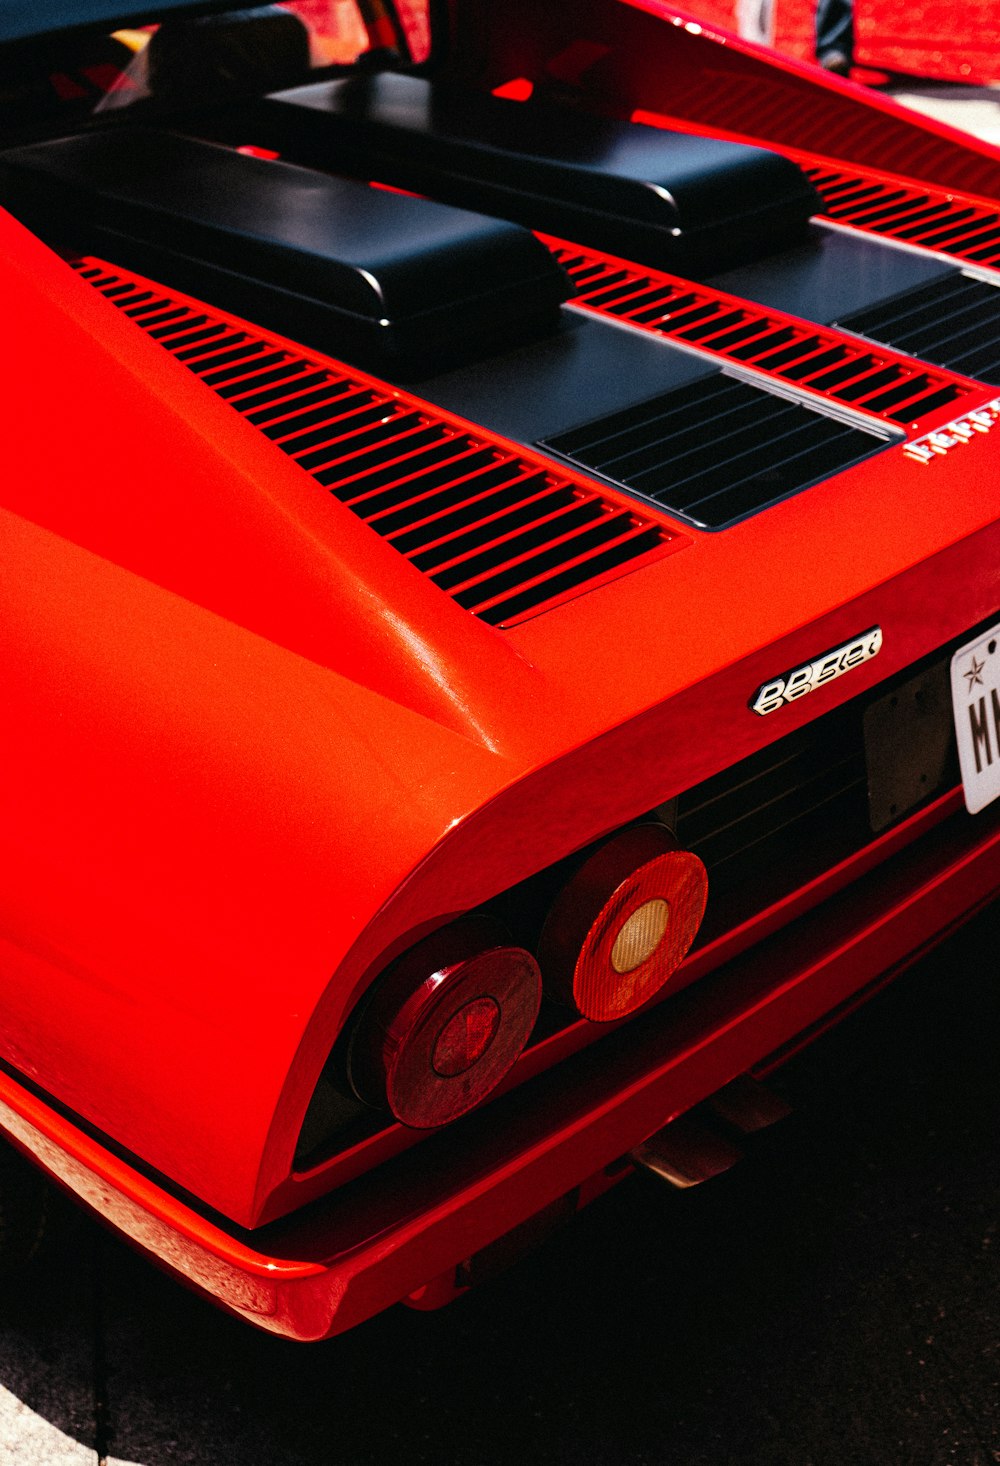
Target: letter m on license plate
975,697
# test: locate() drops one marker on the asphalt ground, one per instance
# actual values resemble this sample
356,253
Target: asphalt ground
835,1299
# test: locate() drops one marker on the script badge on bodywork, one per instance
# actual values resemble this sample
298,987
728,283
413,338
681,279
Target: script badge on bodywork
807,678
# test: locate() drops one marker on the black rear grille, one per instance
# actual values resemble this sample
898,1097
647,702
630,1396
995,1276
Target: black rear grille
781,817
954,323
718,450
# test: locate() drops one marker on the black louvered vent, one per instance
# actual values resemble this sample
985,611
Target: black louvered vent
954,323
495,528
823,361
717,450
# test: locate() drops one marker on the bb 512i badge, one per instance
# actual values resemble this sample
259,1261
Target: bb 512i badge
807,678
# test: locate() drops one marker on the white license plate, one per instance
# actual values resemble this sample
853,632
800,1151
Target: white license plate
975,700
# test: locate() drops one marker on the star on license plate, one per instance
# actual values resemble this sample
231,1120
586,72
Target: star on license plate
975,700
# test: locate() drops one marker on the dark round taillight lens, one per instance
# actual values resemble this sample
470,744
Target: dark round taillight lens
445,1024
623,923
465,1038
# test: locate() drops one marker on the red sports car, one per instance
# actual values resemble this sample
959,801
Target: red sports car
500,518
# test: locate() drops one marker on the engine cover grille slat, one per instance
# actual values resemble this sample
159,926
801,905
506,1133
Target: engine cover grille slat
408,481
965,228
505,607
453,544
470,495
494,526
817,357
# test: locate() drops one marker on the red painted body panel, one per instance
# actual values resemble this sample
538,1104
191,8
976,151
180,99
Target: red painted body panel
647,55
248,755
338,1264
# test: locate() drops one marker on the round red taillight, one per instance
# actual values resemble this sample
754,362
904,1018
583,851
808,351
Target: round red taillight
445,1024
465,1038
623,923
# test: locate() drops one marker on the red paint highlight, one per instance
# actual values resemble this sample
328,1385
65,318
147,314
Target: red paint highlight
518,89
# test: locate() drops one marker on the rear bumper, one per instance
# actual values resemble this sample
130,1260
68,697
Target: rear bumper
371,1243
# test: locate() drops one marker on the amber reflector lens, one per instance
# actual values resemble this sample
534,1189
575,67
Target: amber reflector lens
623,924
640,934
446,1024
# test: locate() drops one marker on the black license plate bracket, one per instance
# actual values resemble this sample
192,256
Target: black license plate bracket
909,746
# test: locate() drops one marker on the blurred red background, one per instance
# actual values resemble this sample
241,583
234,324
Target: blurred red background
953,40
